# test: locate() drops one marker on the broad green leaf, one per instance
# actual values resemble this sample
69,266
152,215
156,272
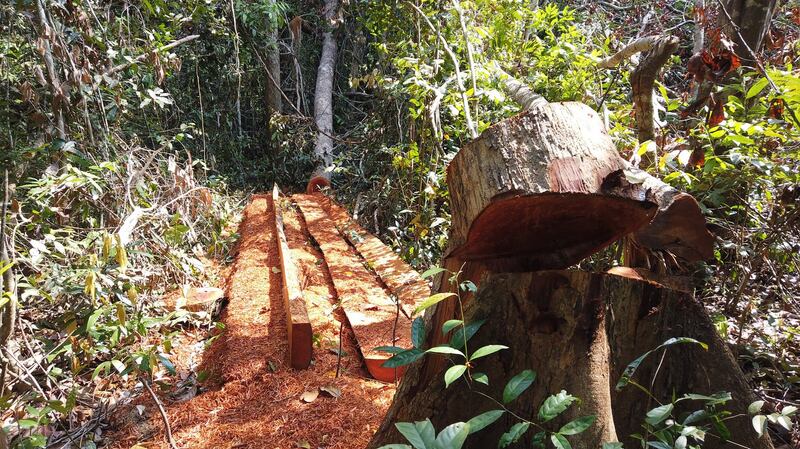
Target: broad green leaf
756,88
411,434
633,366
444,349
450,325
418,333
755,407
426,430
430,272
119,366
453,373
517,385
658,445
659,414
457,341
432,300
396,446
404,358
680,442
452,436
560,442
484,419
555,405
577,426
789,410
612,445
539,439
513,435
167,363
481,378
486,350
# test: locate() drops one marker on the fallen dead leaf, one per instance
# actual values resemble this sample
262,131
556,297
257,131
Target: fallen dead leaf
331,390
310,396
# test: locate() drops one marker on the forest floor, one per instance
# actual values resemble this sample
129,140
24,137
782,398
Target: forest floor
249,396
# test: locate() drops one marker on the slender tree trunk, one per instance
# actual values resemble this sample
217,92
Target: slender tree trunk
55,83
323,99
752,17
274,97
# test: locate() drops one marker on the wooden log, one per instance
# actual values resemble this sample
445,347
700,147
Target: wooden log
579,331
399,277
528,193
375,318
298,326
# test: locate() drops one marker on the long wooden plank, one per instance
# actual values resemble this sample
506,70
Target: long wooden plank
401,279
297,322
373,315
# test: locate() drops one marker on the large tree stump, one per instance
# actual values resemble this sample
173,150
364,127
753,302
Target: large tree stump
579,331
528,194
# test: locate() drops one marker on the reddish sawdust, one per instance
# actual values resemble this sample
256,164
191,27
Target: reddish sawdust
252,406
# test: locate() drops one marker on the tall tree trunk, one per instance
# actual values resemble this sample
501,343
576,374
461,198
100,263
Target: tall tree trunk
323,99
274,96
752,17
579,331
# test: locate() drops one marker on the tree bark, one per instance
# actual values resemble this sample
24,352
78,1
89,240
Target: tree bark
752,17
274,97
643,79
323,99
579,331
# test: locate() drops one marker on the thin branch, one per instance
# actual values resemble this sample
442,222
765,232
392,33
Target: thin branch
167,428
639,45
143,56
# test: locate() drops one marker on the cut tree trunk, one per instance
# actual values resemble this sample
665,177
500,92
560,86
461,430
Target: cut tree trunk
528,193
678,226
579,331
323,101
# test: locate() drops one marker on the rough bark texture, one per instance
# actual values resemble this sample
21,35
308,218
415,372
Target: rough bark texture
753,18
528,193
643,78
274,97
579,331
323,95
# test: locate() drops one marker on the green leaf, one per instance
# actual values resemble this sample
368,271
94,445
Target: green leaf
444,349
430,272
432,300
453,373
658,445
484,419
486,350
418,332
633,366
27,423
167,363
412,434
760,424
105,366
555,405
513,435
517,385
560,442
612,445
119,366
756,88
481,378
395,446
450,325
452,436
426,430
457,341
659,414
539,439
404,358
577,426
